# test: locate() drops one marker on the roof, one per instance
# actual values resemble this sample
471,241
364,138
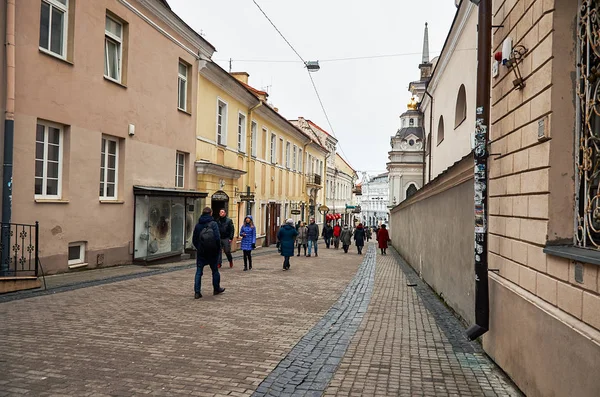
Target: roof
198,35
407,131
317,127
254,90
411,112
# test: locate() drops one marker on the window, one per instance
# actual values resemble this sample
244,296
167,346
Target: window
182,86
241,135
48,160
253,128
180,170
280,151
287,154
440,134
221,123
461,106
264,149
411,123
273,148
412,189
76,253
109,157
301,162
113,48
294,158
53,26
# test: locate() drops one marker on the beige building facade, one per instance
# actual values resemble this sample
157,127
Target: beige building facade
105,121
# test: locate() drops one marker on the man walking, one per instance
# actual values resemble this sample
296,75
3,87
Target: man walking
207,241
226,231
327,234
337,231
313,236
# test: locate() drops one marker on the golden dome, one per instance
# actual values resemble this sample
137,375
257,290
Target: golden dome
412,104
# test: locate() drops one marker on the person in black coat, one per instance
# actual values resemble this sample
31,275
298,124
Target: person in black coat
204,256
327,234
287,236
359,238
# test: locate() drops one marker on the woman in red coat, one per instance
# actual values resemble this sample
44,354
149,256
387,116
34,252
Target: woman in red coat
383,237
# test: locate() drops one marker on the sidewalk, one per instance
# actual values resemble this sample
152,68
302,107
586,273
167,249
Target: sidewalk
85,278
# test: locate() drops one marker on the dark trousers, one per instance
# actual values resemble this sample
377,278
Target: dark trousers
247,259
301,245
327,241
345,248
286,262
359,248
336,242
225,246
216,277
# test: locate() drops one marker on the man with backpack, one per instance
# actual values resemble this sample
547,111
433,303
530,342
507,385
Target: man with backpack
207,240
226,231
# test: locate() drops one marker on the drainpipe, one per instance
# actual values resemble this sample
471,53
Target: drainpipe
9,130
249,147
484,65
431,146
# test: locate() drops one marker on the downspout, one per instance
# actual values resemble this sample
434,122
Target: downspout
484,65
431,146
249,147
9,130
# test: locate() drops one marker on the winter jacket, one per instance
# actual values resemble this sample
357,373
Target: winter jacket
248,235
359,236
313,232
302,235
327,231
383,236
346,236
337,231
226,228
286,236
201,258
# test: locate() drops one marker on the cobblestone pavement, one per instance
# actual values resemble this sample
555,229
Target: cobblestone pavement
148,336
409,344
312,362
322,328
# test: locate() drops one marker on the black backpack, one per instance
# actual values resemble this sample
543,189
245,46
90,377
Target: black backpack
208,244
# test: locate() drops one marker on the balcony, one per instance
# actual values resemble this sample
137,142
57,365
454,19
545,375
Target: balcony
313,180
357,191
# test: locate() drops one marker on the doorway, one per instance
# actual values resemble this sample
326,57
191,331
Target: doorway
218,202
273,221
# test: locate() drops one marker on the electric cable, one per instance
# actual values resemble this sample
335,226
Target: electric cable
311,79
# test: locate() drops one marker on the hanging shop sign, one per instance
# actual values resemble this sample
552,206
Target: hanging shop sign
220,196
295,212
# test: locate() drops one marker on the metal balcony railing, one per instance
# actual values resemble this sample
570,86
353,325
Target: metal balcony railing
19,249
313,179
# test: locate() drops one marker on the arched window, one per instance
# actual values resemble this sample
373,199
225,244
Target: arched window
461,106
412,189
440,133
411,123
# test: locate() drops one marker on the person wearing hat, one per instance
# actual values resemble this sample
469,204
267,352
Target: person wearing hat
248,235
287,236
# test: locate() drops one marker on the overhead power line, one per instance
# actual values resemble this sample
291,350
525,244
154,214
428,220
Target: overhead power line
309,75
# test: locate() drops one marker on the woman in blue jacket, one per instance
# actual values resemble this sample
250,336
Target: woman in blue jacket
248,235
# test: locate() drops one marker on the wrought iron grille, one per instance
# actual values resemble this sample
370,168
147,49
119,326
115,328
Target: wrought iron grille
313,179
19,249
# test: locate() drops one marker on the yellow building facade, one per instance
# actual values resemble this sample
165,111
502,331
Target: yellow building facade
250,159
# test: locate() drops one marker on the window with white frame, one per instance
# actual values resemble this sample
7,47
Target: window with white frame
241,135
265,139
180,170
48,160
221,123
54,16
113,48
182,86
109,161
253,128
280,151
288,151
301,162
294,158
273,148
76,253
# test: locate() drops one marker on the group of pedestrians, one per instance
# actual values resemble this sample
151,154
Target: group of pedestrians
213,237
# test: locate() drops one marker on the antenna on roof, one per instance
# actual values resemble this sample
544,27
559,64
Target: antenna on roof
230,65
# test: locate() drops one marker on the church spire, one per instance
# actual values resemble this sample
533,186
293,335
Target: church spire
426,45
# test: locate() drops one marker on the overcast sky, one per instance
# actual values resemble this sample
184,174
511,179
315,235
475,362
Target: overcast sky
363,98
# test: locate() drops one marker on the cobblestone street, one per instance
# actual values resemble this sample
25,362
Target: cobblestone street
340,324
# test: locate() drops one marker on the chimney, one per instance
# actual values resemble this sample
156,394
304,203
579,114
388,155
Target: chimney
241,76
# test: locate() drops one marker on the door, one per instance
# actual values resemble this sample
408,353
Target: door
273,222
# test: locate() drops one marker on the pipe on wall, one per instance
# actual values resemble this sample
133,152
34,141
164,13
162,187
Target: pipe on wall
426,141
9,129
